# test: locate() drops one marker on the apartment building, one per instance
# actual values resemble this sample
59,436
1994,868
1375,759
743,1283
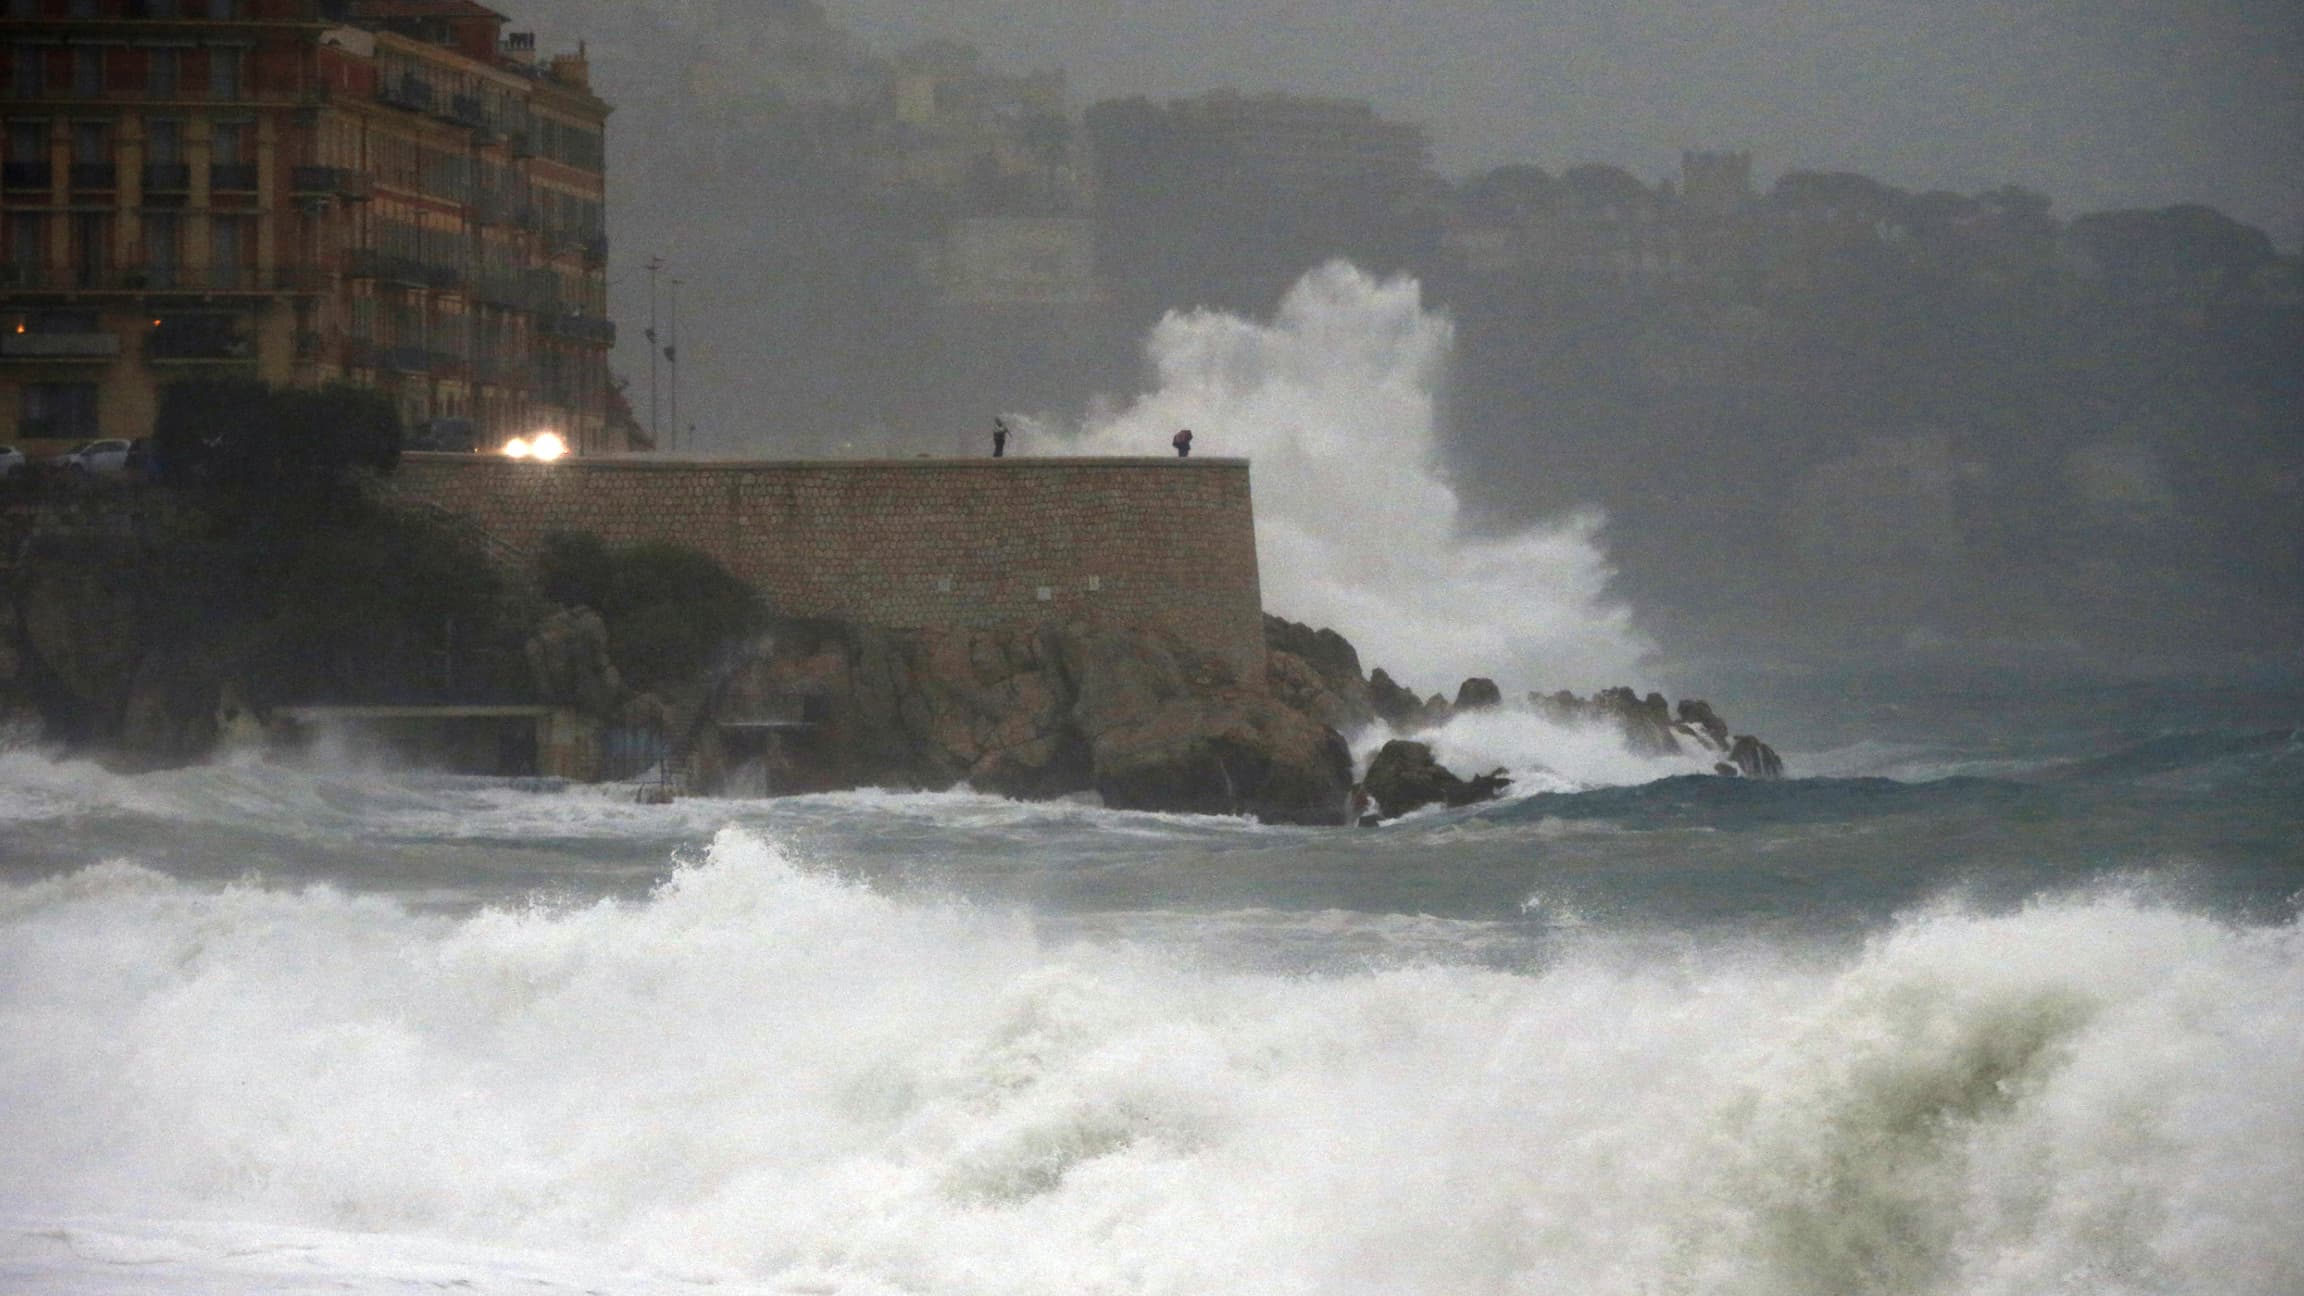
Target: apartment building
393,193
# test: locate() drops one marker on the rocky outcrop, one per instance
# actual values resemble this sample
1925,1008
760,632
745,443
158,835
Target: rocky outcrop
1316,672
1477,694
1753,758
1394,705
1405,777
1040,711
568,659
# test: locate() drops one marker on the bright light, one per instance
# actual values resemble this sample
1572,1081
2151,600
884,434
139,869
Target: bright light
547,447
516,448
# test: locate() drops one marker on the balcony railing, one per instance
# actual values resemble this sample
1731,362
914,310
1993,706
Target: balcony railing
232,177
167,177
150,280
368,263
59,346
194,346
26,175
339,182
406,91
579,328
95,175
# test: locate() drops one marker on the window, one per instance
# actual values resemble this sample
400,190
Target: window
224,66
164,140
230,244
92,166
61,411
27,70
91,142
229,145
27,244
28,140
229,153
91,249
163,73
163,247
87,72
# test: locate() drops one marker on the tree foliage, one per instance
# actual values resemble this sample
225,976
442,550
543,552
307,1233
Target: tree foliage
244,435
670,610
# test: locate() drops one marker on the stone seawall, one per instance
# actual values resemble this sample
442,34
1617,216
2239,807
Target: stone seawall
911,543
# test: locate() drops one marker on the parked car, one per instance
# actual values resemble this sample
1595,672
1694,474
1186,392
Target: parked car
108,456
12,462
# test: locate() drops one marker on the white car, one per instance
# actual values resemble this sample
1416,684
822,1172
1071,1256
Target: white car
11,461
98,457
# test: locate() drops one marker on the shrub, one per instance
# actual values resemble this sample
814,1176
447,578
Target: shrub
669,609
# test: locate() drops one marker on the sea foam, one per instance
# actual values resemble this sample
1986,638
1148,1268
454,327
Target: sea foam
764,1074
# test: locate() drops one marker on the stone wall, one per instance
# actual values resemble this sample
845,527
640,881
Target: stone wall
911,543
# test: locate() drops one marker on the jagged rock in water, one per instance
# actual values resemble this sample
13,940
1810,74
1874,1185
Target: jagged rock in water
1756,759
1045,711
1328,652
1646,722
1701,716
1394,705
1405,777
1297,684
1477,694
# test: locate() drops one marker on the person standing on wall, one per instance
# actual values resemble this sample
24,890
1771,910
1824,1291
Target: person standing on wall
1183,443
999,438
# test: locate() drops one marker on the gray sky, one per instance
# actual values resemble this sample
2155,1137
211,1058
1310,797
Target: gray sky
2099,103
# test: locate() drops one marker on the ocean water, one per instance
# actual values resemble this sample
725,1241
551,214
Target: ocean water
2008,1002
2002,995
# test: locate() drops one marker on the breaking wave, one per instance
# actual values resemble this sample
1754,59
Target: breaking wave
763,1073
1336,401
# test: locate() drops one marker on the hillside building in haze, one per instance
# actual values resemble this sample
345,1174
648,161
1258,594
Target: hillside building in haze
397,194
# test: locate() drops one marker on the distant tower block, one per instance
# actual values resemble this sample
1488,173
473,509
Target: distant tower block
1716,184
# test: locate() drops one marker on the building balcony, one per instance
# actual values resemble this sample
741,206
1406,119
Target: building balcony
408,91
404,359
167,177
95,175
467,110
335,182
198,346
588,329
390,267
157,281
60,346
233,177
445,278
26,175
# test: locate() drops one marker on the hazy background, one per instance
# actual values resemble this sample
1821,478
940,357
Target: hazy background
2000,357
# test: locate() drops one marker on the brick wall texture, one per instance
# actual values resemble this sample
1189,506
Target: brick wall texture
911,542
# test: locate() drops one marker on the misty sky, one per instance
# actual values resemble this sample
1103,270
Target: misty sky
2099,103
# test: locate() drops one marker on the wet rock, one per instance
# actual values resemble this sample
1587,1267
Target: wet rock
1404,777
1037,712
1396,706
1477,694
1756,759
1700,716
